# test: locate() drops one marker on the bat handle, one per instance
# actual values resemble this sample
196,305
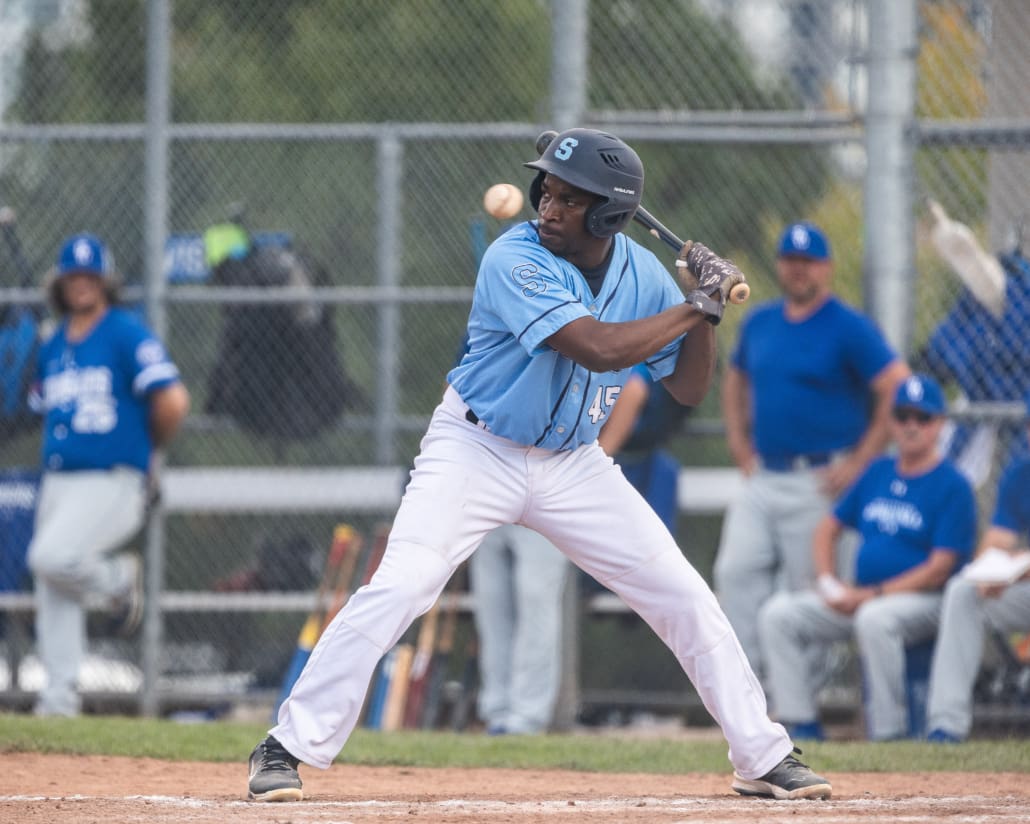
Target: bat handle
740,293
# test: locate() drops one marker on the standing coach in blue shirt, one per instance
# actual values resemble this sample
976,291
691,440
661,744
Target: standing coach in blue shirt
805,401
563,307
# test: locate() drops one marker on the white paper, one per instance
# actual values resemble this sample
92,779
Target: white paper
996,566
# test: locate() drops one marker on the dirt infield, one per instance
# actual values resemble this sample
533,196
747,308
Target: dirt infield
59,789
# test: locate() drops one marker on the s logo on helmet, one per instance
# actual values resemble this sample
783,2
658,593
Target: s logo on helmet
564,150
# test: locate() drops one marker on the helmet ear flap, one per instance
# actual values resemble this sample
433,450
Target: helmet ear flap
536,189
603,221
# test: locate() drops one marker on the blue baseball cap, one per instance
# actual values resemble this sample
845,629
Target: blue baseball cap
920,392
805,240
84,253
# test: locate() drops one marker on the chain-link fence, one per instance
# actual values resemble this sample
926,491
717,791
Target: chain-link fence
349,144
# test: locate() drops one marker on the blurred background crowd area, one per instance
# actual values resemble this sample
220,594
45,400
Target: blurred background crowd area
356,139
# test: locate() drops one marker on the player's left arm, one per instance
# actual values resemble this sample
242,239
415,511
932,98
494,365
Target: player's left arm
695,366
840,475
169,406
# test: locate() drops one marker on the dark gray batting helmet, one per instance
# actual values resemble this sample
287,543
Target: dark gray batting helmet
601,164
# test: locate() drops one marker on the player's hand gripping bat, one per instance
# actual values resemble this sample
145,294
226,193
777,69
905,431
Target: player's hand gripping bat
706,271
958,247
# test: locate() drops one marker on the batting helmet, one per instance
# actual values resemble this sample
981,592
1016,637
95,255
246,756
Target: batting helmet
601,164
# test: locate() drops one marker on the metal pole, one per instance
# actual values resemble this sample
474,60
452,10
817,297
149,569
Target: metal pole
390,161
159,35
889,265
569,39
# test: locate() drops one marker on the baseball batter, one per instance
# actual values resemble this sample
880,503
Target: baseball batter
563,307
109,393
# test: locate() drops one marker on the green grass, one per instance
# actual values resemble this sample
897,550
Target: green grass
225,741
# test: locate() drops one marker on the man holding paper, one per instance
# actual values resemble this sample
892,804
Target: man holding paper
995,588
916,517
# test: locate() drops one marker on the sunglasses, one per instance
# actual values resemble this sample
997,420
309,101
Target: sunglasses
917,415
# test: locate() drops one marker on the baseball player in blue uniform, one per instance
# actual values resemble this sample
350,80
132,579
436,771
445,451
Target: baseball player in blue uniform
563,307
109,394
970,606
916,515
805,401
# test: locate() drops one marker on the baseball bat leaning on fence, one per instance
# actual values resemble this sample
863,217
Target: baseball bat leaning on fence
958,247
380,682
400,682
344,584
343,542
440,662
738,294
421,667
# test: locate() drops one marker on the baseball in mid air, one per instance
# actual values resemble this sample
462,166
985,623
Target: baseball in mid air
503,200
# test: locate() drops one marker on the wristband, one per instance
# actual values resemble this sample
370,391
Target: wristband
706,305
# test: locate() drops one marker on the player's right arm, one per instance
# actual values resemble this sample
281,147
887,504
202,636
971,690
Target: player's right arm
607,347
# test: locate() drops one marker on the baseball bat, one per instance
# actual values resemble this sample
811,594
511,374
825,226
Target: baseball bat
373,711
343,584
958,247
377,698
312,628
738,294
440,663
397,691
420,667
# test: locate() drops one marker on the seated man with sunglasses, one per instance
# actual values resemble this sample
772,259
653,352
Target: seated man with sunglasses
916,518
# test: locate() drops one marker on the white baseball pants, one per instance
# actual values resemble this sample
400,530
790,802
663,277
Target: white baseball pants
466,482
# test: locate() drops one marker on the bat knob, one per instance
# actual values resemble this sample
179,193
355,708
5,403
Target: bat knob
740,293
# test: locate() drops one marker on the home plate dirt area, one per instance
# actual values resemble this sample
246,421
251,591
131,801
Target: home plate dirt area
60,789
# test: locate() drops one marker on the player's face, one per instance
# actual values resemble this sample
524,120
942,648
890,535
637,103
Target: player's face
915,432
562,225
802,279
83,293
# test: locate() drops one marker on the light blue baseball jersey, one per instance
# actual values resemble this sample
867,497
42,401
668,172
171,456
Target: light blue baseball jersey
901,520
809,379
93,394
511,379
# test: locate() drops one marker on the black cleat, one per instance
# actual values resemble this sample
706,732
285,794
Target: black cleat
273,773
790,779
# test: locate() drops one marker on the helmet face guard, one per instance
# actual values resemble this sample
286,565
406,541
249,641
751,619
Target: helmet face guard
599,163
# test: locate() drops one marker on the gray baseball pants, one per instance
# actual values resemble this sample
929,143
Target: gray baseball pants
960,646
518,579
81,519
766,547
793,624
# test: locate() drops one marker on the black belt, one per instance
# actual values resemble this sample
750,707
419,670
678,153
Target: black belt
791,463
472,417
